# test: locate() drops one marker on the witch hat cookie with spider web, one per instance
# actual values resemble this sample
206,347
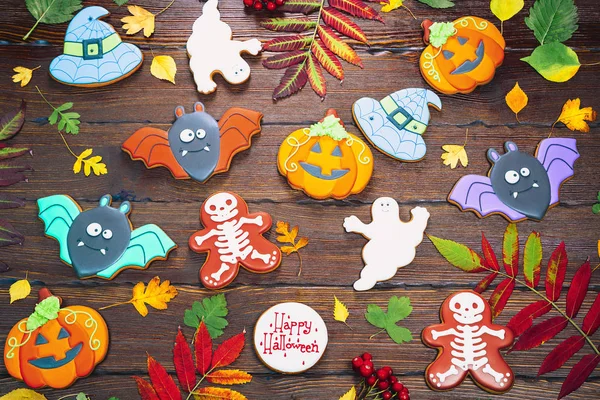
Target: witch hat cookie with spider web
93,53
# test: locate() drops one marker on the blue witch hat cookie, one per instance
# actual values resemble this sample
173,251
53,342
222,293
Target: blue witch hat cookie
396,124
93,53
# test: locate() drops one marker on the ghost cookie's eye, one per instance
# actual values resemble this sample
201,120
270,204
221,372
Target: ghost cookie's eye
93,229
186,135
525,171
200,133
107,234
512,177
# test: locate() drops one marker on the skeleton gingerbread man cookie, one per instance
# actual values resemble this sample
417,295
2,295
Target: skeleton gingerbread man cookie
232,237
468,344
211,50
392,242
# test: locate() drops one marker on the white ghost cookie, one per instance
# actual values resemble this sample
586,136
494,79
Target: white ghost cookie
392,243
211,50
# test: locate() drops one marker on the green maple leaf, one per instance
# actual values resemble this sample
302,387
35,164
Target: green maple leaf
212,310
51,11
120,3
438,3
552,20
398,309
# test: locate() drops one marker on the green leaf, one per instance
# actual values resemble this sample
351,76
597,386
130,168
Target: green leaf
65,107
212,310
53,118
53,11
510,250
398,309
81,396
596,208
598,196
554,61
119,3
116,398
532,259
438,3
12,122
458,254
552,20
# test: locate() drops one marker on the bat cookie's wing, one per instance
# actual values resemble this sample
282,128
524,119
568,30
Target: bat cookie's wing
558,156
151,145
58,213
148,243
237,126
475,193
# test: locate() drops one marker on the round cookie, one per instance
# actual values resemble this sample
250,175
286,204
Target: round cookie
290,337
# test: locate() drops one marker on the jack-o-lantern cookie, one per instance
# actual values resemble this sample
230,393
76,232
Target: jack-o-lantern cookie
325,161
468,343
55,346
461,55
290,337
100,242
232,237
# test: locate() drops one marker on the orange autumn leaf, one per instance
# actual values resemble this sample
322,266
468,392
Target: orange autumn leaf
289,236
229,377
156,295
213,393
516,100
574,117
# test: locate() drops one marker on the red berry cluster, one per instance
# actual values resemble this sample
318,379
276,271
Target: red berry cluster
258,5
378,382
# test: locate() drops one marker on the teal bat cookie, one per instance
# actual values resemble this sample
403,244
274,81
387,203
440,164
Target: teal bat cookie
100,241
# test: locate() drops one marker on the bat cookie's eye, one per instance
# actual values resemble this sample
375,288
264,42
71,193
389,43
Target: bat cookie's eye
186,135
94,229
525,171
107,234
200,133
512,176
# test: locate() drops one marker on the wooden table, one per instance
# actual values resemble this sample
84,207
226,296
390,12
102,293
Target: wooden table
332,260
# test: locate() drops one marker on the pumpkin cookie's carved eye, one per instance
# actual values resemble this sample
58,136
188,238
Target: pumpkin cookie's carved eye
462,40
316,148
40,340
63,334
447,54
337,152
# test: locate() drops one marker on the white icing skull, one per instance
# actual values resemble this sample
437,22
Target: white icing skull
221,207
467,308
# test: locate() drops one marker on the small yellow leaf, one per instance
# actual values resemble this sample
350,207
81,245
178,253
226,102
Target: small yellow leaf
156,295
23,394
89,164
139,19
288,250
350,394
229,377
340,311
391,6
574,117
454,154
84,154
506,9
164,67
215,393
301,243
516,99
19,290
23,75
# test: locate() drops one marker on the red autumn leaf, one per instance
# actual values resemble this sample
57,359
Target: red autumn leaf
488,254
184,363
203,349
561,354
229,377
578,374
500,296
300,6
300,24
485,282
356,8
524,318
338,46
578,289
591,322
284,60
510,250
287,43
327,59
293,80
343,24
540,333
165,386
145,389
555,275
228,351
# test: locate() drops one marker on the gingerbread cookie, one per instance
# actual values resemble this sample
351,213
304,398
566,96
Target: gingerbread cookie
93,53
232,237
196,146
474,48
100,242
468,344
290,338
211,51
519,185
55,346
396,124
392,243
325,161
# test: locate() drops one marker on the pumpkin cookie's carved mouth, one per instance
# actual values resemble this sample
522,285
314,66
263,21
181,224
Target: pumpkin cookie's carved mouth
468,65
315,171
51,362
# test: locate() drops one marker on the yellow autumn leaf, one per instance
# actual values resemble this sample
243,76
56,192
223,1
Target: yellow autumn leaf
156,295
287,236
391,6
23,75
19,290
229,377
164,67
506,9
139,19
574,117
340,311
453,154
215,393
23,394
516,100
350,394
89,164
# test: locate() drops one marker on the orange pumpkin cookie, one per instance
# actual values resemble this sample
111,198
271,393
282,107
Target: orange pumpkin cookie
55,346
461,55
325,161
